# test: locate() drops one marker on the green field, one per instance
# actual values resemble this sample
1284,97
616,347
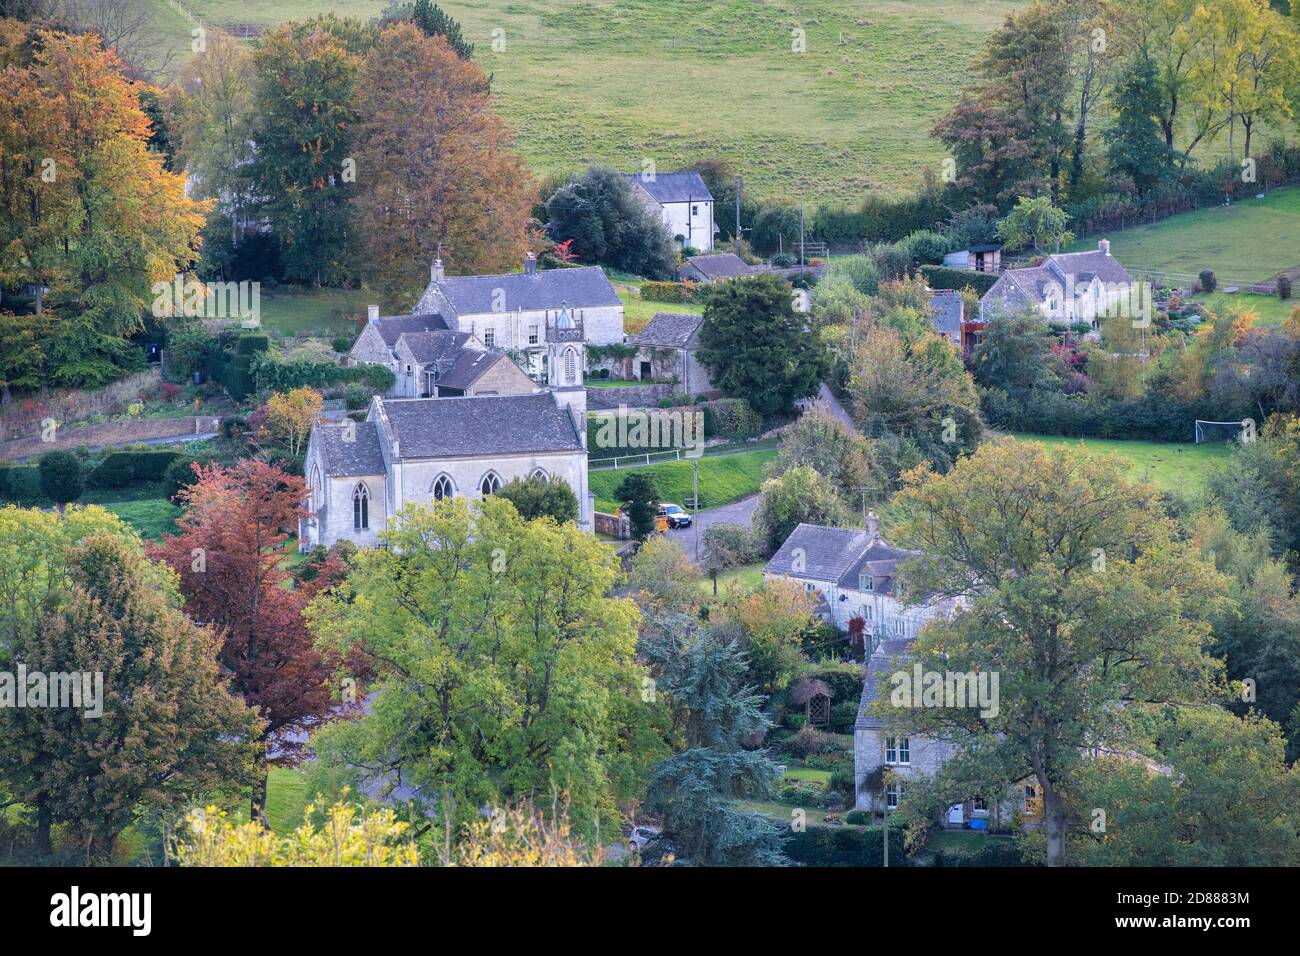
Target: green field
151,519
736,581
325,312
627,81
723,479
638,312
1249,241
1171,467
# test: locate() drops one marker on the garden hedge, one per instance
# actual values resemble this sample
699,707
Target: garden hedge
845,846
120,468
942,277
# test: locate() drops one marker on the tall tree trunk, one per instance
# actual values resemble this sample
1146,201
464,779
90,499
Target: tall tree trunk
257,810
1054,825
43,820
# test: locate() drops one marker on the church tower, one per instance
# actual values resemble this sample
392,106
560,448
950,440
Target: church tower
566,358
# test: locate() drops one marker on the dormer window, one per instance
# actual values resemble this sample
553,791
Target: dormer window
866,582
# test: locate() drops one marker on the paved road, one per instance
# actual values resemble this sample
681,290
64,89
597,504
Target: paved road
738,512
827,400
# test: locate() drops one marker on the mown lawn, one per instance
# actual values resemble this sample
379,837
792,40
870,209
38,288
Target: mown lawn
1249,241
1172,467
736,580
151,519
638,312
1268,308
962,841
723,479
325,312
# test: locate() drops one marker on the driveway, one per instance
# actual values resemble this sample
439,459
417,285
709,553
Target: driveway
829,403
738,512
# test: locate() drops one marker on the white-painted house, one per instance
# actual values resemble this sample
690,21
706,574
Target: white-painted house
684,203
1067,287
514,311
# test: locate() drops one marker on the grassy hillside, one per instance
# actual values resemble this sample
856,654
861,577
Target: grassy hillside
1248,241
723,479
622,81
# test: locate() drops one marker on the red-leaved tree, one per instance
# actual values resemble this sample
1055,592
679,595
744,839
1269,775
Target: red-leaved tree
229,558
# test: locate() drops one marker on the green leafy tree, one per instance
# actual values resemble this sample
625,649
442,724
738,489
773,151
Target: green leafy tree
640,500
696,790
1016,352
608,225
756,346
434,21
62,480
505,668
1079,596
801,494
1135,144
831,447
536,497
1035,224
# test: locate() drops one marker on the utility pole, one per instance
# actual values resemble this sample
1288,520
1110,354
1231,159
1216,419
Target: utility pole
801,259
737,236
695,523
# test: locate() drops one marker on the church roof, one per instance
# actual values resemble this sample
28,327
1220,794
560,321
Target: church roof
480,425
668,330
585,287
672,187
344,459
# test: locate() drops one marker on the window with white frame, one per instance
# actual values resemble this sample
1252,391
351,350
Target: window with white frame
489,337
490,484
541,474
866,582
534,335
898,750
442,488
893,794
981,805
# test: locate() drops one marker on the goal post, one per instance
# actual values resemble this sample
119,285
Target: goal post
1243,430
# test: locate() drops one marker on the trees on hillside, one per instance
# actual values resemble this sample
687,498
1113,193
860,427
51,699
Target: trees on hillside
435,167
1080,598
756,346
606,223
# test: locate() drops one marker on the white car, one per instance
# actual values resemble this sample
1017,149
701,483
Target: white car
642,837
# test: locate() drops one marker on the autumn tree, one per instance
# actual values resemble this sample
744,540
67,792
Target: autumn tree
435,167
290,416
798,495
167,727
1076,593
228,553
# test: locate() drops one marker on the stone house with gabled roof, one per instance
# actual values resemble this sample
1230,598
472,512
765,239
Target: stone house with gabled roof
715,268
361,474
1067,287
682,201
666,349
518,312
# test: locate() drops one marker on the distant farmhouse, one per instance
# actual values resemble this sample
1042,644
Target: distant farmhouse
683,201
852,572
666,349
1067,287
715,268
361,474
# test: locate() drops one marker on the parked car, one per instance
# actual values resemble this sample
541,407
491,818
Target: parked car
642,837
677,518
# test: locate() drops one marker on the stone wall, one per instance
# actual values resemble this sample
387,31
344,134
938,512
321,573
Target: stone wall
616,526
633,396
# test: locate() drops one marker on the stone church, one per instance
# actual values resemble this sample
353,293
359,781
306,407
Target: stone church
459,441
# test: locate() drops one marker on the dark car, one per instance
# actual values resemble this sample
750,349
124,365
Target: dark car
677,518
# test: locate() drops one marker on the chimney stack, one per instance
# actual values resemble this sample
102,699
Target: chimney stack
1104,246
873,524
530,263
372,313
435,271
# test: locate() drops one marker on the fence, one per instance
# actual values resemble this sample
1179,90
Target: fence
636,461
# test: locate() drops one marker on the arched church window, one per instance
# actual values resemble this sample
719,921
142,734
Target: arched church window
570,367
540,473
490,484
442,488
360,507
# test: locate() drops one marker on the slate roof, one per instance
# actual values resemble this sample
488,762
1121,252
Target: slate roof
837,555
468,367
673,187
429,347
946,308
581,288
393,327
877,664
722,265
668,330
482,425
344,459
1030,285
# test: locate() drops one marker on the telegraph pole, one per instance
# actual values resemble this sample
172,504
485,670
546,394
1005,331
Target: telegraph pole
695,523
737,235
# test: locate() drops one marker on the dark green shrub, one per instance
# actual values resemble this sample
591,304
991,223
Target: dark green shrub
1284,287
843,780
843,714
993,853
357,397
676,292
341,343
845,846
61,477
21,485
857,817
943,277
730,418
1208,281
179,474
120,468
253,343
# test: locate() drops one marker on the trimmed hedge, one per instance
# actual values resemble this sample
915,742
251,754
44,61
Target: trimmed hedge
679,292
943,277
273,375
730,418
21,485
121,468
1155,417
995,853
846,846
